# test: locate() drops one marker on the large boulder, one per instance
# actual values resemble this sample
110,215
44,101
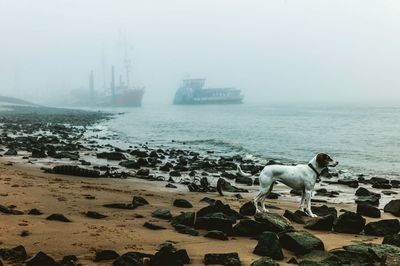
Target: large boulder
219,207
268,245
301,242
324,210
393,207
17,253
273,222
293,217
185,218
378,251
227,259
42,259
368,210
349,222
382,227
363,192
162,214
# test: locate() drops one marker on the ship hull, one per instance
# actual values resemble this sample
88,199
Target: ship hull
128,98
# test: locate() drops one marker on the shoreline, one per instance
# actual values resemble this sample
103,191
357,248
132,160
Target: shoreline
25,185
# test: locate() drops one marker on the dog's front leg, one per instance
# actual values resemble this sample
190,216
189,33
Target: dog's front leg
308,200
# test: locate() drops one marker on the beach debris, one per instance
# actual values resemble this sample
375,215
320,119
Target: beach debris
300,242
231,259
393,207
349,222
273,222
95,215
164,214
58,217
216,234
182,203
268,245
41,259
106,254
322,223
368,210
382,227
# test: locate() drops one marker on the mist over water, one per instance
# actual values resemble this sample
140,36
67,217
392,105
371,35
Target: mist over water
364,139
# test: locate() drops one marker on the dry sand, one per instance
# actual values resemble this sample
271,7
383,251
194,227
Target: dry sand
27,187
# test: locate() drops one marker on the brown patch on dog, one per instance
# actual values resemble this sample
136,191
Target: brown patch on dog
323,160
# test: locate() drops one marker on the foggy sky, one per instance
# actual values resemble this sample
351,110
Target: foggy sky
275,51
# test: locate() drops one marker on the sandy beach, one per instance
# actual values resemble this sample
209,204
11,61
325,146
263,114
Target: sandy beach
55,163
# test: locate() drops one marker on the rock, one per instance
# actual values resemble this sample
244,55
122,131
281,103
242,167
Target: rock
17,253
273,222
11,152
372,200
382,227
130,164
323,223
162,214
218,206
268,245
95,215
175,173
349,222
106,254
368,210
378,181
36,153
58,217
35,212
300,242
382,186
24,233
346,257
363,192
226,259
143,173
184,229
248,209
392,240
123,206
75,171
393,207
248,228
69,260
169,256
169,185
244,180
318,257
42,259
185,218
293,217
129,259
153,226
324,210
348,182
215,221
182,203
371,250
265,261
9,210
114,156
215,234
139,201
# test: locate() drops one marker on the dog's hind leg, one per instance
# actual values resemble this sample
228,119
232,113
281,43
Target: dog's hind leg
257,199
265,196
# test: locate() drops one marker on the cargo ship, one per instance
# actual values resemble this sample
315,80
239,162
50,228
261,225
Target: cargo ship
192,91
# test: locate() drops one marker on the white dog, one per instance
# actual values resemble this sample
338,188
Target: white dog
301,177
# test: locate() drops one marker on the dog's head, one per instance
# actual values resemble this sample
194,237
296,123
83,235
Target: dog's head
324,160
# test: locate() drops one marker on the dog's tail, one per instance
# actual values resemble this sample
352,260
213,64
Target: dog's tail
240,172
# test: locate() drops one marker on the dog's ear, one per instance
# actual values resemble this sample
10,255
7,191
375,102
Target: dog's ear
323,160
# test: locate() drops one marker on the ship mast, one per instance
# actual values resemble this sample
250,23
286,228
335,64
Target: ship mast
91,87
127,62
112,84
